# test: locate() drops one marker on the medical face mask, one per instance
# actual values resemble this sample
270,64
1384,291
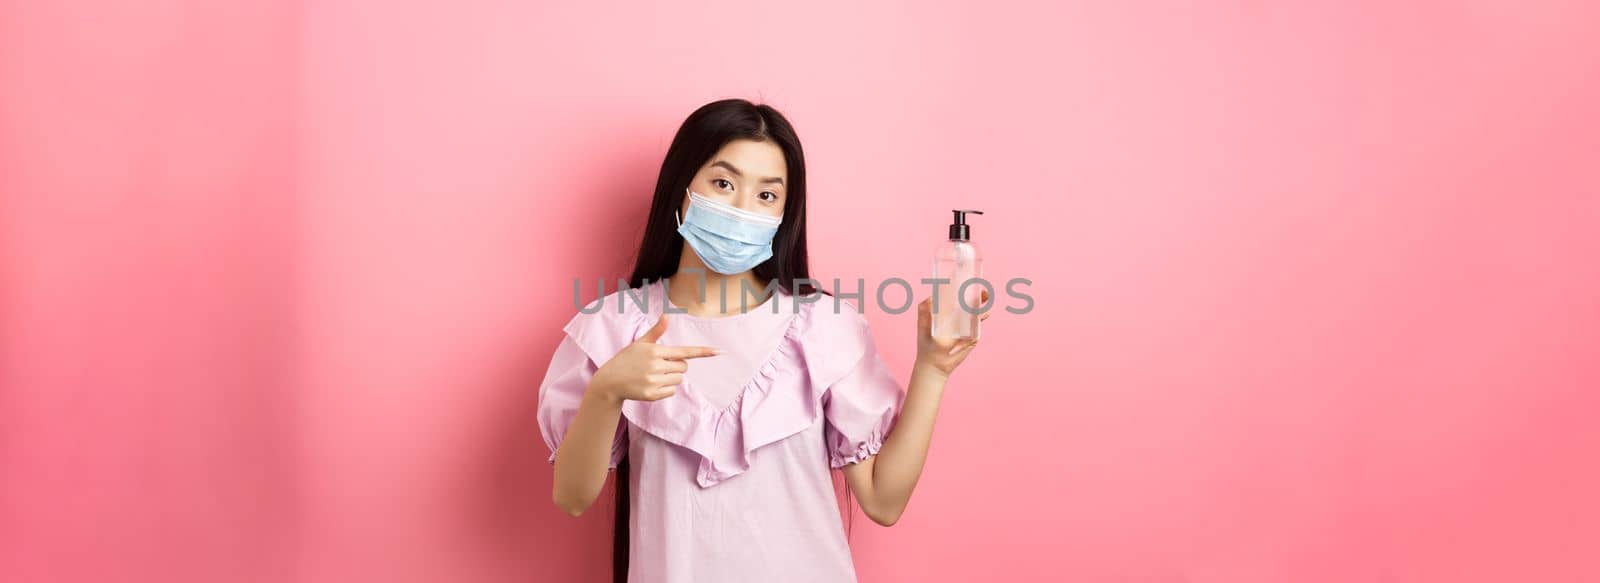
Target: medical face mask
728,240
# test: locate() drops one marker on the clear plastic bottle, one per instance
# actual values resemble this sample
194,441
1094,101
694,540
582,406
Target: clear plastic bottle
958,260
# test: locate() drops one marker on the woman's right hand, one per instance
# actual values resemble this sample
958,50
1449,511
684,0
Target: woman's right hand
645,370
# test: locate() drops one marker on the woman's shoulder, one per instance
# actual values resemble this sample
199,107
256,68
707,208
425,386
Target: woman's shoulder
604,326
835,336
832,314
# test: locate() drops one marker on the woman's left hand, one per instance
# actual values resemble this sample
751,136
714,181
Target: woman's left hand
942,355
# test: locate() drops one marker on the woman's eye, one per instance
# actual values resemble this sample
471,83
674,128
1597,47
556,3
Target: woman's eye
722,183
769,197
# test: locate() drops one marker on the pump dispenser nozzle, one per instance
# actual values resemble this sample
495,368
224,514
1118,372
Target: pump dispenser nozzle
958,229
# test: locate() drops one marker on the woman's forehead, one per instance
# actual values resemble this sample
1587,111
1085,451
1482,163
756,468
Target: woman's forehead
750,160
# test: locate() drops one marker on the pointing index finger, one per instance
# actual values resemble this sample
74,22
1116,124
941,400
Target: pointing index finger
687,352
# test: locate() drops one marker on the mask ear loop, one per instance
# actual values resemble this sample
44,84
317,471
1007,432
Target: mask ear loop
675,212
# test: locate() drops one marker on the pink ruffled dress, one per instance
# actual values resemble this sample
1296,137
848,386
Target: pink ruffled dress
730,478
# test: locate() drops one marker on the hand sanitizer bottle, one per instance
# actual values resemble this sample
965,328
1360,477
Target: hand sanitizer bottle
958,261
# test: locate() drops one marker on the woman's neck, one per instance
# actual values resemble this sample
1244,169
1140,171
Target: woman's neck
686,291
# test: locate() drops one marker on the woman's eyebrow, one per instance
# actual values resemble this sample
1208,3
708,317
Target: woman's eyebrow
736,172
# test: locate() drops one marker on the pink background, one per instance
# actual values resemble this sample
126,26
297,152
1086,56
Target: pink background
1316,286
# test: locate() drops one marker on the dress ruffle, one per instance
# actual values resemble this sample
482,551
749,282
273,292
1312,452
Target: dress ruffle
863,450
783,397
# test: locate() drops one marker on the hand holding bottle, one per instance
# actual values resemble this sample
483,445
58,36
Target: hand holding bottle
938,353
646,370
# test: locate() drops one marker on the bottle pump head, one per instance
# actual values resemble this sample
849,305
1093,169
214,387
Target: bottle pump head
958,229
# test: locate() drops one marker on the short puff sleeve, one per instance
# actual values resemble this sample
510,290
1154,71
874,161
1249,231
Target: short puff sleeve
562,392
860,409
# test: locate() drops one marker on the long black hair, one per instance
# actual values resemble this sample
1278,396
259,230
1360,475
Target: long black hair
705,132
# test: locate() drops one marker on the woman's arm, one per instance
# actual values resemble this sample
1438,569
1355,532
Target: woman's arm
583,458
884,482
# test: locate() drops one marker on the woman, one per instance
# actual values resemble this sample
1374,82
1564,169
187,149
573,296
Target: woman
729,388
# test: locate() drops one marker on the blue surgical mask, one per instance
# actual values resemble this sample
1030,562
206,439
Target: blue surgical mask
728,240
